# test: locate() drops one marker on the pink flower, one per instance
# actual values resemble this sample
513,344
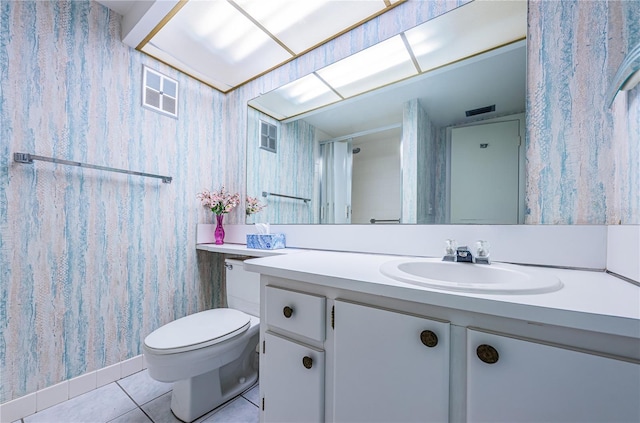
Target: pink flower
253,205
220,201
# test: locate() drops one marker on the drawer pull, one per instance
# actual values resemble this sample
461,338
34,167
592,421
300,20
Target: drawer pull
307,362
487,354
429,338
287,311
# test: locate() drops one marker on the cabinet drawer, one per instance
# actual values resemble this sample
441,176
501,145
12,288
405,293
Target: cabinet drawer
302,314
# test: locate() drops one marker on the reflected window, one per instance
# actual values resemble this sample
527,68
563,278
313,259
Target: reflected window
268,136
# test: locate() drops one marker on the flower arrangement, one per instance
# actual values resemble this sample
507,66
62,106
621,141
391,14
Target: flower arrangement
220,202
254,206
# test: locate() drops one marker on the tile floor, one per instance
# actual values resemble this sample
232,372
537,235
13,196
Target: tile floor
140,399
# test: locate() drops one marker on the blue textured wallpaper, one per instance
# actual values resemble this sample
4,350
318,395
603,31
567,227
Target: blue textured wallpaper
92,261
582,156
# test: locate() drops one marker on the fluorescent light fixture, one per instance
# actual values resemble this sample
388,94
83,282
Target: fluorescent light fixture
297,97
226,43
214,42
301,25
379,65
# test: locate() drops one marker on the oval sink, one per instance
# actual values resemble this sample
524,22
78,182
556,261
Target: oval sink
496,278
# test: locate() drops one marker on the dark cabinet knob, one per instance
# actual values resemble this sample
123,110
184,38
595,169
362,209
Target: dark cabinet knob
487,354
429,338
288,311
307,362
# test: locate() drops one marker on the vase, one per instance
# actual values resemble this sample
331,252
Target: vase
219,232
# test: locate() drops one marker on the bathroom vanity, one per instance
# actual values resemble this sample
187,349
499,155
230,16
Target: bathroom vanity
342,342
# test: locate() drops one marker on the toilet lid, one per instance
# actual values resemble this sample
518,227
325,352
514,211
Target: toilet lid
198,330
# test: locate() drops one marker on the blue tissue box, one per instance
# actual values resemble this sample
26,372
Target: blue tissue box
265,242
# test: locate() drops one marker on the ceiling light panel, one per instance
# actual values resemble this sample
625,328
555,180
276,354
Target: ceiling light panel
297,97
225,48
477,27
379,65
301,25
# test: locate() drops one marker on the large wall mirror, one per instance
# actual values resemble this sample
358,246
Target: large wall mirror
425,127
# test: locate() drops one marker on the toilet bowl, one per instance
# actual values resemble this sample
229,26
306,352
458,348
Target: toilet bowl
209,356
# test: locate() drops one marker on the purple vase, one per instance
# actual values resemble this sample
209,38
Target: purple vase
219,232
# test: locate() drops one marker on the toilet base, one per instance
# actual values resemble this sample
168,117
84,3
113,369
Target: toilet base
196,396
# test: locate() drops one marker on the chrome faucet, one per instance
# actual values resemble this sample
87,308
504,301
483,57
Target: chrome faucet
463,254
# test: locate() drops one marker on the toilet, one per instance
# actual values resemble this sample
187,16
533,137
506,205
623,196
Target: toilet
210,356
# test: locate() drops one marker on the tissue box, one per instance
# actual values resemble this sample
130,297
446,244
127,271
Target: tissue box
266,241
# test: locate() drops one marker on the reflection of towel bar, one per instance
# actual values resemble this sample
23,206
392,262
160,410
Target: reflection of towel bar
29,158
385,221
266,194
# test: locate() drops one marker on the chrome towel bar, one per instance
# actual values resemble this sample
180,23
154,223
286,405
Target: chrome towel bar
384,221
29,158
266,194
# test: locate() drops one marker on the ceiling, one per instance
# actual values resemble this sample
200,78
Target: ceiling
226,43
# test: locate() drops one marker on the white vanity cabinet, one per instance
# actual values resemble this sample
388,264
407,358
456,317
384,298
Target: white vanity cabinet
513,380
292,360
389,366
386,353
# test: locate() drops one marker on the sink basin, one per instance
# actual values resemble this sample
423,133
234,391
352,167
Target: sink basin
496,278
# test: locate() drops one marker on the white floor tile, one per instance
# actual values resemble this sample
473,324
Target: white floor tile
160,409
253,395
142,388
237,411
133,416
98,406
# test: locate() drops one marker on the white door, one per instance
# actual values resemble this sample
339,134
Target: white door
291,381
383,372
484,173
532,382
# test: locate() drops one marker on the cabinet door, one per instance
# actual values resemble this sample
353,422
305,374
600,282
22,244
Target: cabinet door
291,381
383,370
532,382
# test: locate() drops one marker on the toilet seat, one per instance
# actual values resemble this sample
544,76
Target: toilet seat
197,330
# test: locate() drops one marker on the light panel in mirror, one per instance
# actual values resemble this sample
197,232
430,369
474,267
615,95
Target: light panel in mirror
376,66
308,92
467,31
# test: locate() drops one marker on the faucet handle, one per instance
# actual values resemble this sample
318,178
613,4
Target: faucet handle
482,252
450,250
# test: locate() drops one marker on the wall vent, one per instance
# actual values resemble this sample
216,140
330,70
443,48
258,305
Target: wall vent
481,110
159,92
268,136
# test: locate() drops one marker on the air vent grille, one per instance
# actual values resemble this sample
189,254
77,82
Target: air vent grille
481,110
159,92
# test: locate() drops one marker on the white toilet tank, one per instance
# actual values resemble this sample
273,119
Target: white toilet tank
243,288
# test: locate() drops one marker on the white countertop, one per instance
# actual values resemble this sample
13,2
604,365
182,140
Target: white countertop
589,300
241,249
